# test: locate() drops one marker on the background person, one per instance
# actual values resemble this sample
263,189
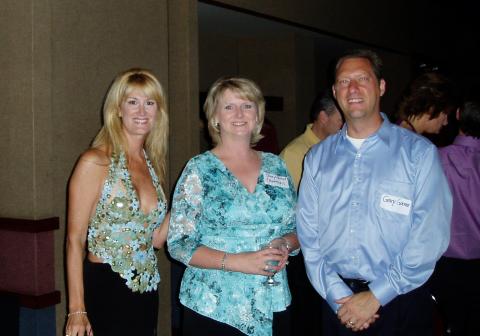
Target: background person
373,213
325,120
227,204
455,280
116,207
430,99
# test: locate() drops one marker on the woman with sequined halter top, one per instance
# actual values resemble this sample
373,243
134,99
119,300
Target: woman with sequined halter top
233,223
117,214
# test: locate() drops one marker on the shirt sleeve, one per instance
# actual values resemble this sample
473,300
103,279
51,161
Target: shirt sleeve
184,234
429,234
309,227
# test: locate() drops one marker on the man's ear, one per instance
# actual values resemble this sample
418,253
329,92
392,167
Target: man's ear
322,117
333,91
457,114
382,87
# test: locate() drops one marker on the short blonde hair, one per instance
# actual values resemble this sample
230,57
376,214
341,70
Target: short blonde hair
245,89
111,135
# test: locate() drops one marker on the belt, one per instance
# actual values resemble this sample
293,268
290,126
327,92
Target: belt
356,285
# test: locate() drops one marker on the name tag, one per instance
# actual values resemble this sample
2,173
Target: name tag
396,204
275,180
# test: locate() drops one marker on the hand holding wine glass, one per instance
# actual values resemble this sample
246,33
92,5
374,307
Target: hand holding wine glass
272,265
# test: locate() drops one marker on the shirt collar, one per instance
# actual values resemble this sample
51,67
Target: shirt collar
467,141
383,133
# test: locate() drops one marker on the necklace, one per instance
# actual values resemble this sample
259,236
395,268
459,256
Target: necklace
410,125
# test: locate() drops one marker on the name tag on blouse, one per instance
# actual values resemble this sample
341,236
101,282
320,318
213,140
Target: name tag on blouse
396,204
275,180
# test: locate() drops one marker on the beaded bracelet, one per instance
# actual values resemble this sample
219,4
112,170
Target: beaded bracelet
77,313
224,258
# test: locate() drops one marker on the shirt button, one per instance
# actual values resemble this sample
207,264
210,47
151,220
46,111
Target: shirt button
358,155
354,203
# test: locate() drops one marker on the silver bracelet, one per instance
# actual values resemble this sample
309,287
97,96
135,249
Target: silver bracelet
77,313
287,243
224,258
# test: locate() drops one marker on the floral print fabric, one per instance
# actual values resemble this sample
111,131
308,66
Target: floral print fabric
121,234
212,208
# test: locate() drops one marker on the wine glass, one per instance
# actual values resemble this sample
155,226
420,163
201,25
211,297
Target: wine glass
274,244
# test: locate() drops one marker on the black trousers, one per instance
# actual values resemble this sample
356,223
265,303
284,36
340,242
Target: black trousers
195,324
455,284
113,309
410,314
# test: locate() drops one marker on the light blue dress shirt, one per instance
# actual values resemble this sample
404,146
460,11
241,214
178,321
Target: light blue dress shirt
212,208
381,213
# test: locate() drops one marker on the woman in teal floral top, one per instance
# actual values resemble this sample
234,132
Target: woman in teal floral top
116,208
228,203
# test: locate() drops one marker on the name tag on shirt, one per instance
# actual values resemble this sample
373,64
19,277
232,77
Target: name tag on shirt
396,204
275,180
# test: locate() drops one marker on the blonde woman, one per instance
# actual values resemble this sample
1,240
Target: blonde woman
228,203
115,214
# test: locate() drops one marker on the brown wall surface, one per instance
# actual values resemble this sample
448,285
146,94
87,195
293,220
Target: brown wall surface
58,58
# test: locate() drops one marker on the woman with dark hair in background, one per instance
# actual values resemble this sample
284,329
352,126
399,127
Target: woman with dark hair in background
430,99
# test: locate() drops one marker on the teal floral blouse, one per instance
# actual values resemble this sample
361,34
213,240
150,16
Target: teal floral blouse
212,208
121,234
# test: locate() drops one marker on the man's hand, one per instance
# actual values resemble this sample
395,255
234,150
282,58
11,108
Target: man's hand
358,311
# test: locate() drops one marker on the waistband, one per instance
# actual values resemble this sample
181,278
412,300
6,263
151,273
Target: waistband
356,285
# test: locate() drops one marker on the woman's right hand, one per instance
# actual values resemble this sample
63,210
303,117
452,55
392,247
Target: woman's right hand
255,262
78,325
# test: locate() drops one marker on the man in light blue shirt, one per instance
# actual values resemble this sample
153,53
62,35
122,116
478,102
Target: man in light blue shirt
373,213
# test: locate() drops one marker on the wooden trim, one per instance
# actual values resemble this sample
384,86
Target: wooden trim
29,225
35,301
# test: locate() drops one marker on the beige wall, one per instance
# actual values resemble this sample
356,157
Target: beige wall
58,58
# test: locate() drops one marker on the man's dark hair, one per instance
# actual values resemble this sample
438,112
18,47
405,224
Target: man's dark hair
369,55
323,102
430,93
469,121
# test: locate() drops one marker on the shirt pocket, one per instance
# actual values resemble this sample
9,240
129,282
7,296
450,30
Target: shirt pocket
394,201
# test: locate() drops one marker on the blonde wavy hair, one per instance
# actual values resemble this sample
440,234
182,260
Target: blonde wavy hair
111,135
245,89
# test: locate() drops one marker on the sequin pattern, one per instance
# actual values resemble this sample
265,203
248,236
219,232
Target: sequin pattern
212,208
121,234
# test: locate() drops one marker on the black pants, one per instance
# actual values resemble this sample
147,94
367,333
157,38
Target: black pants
410,314
455,284
113,309
195,324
